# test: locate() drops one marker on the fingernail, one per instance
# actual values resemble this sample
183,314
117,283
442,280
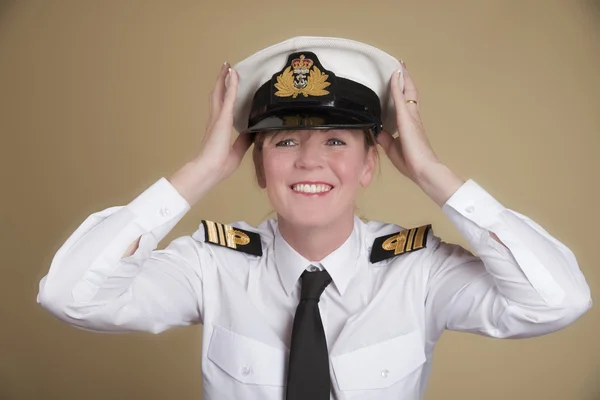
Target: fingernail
229,72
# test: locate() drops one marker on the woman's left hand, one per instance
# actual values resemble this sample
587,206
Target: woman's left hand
411,152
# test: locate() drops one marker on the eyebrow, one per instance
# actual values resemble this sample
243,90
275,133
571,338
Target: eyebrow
275,135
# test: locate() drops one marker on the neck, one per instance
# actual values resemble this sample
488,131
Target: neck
316,243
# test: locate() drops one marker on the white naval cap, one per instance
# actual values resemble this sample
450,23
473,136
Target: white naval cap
341,71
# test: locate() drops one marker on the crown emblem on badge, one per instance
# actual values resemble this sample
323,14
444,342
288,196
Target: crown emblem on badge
294,80
302,64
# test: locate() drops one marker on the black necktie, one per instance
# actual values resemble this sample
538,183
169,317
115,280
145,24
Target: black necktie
308,368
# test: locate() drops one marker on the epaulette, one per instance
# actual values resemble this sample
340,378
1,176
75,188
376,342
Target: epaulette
394,244
233,238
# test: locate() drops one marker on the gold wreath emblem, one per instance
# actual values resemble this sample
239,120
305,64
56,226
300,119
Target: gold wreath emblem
317,82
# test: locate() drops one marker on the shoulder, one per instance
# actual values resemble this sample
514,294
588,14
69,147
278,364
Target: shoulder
388,241
238,236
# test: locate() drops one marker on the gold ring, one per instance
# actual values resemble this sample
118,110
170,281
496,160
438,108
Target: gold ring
411,101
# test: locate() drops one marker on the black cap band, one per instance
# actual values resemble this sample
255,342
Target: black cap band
306,96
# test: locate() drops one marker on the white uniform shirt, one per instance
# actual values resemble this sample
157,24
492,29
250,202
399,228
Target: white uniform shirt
381,320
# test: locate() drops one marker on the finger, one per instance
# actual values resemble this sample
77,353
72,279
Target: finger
410,89
398,96
391,147
218,92
224,120
240,146
385,140
404,111
231,93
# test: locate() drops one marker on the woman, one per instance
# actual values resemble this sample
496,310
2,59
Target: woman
315,303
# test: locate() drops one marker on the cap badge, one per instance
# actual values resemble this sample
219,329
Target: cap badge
294,81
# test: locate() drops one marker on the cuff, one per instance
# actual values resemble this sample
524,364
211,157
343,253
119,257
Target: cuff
476,213
158,204
474,203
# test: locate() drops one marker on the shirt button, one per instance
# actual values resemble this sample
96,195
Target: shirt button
470,209
385,373
164,211
312,268
246,371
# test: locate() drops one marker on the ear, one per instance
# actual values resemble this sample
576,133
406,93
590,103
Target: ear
259,169
369,167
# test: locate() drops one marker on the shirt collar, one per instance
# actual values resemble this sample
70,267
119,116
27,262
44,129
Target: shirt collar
341,263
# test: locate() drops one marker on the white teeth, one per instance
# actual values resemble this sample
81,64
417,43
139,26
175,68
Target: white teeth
305,188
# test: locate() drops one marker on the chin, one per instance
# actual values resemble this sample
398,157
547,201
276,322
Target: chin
311,219
309,223
311,213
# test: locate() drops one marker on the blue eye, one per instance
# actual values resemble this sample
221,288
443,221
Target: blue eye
285,143
335,142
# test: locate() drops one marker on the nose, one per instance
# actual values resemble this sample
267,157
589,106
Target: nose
310,156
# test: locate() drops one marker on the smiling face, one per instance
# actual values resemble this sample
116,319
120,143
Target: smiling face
312,177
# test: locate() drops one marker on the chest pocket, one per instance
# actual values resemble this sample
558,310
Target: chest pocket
380,365
247,360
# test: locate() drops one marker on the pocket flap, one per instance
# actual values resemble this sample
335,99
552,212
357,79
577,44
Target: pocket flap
247,360
379,365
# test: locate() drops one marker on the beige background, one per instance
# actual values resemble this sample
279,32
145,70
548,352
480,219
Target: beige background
99,99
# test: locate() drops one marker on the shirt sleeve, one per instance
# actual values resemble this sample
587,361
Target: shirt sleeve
531,287
89,284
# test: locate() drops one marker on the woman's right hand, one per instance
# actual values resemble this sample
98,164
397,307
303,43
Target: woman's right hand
217,153
218,158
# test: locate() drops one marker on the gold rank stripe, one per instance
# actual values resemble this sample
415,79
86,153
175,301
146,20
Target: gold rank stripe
221,234
212,232
420,237
409,242
217,233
